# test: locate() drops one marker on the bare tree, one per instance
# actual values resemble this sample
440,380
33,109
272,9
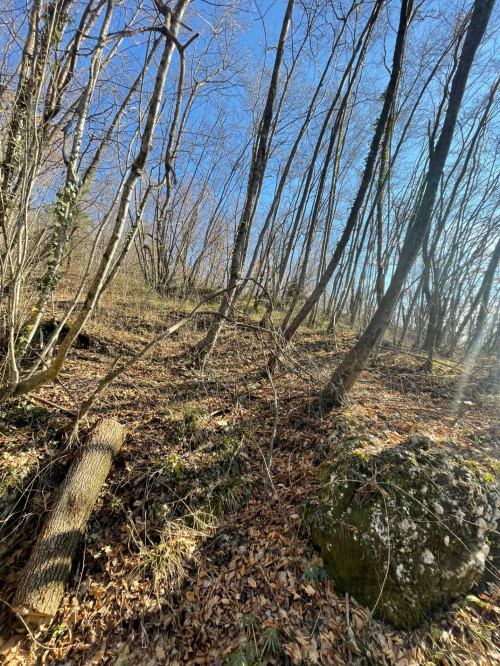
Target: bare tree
256,174
380,127
355,361
21,379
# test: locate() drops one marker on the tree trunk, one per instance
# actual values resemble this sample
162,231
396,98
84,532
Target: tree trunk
346,375
42,582
260,158
95,291
485,291
366,179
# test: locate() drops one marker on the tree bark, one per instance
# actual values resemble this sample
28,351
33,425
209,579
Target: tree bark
95,291
42,582
484,291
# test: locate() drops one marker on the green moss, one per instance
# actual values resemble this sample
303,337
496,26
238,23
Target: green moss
324,473
25,414
362,456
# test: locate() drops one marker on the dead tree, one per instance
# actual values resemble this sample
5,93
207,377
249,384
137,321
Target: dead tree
42,582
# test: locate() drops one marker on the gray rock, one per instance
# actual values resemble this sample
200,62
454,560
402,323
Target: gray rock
406,529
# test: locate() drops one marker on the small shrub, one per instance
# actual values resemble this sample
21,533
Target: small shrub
189,431
316,573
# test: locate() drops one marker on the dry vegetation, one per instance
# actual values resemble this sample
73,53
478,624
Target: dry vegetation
182,562
291,168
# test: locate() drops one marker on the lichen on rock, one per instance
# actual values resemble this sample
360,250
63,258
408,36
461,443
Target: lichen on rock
404,529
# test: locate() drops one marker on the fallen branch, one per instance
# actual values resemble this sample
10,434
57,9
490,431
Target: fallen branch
273,438
120,369
404,352
38,398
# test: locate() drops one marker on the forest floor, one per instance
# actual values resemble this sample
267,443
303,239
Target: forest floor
183,562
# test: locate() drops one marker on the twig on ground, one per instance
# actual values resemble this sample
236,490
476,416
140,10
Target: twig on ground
38,398
405,352
30,633
273,437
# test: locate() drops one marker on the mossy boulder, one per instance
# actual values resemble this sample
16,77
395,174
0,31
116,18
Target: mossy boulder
404,529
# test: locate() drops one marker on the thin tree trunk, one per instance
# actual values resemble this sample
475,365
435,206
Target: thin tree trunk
255,179
344,378
135,172
359,52
353,219
485,291
380,282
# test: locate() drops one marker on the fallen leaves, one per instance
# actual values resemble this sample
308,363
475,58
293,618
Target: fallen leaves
255,571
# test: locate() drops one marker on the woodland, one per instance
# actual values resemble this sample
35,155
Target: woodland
250,332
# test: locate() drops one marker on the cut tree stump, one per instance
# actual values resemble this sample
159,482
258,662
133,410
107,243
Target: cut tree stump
42,582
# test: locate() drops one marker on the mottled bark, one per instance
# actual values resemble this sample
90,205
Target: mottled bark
42,582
